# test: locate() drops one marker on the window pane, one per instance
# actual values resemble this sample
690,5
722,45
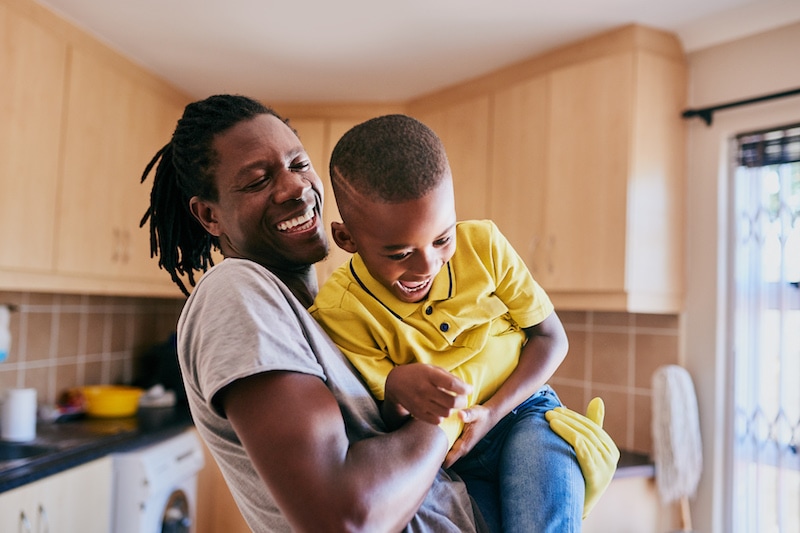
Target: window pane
766,274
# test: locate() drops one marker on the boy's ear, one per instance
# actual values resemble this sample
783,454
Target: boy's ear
342,237
205,214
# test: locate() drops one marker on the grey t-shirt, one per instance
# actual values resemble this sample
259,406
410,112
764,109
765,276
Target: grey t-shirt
242,320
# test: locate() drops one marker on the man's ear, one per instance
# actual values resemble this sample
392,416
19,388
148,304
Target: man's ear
205,213
343,238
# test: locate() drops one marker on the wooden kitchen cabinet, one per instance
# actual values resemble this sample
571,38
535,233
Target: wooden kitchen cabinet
518,184
114,124
583,245
80,122
463,127
588,175
33,66
319,136
631,505
216,509
78,499
315,136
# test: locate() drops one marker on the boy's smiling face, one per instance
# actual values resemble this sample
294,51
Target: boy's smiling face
403,245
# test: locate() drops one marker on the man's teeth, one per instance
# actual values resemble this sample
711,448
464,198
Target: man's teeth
286,225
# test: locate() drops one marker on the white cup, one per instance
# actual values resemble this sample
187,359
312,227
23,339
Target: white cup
18,422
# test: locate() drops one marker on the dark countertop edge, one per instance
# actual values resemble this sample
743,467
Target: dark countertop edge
633,464
65,460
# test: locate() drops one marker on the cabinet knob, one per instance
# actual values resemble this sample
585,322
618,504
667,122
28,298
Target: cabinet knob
44,522
24,525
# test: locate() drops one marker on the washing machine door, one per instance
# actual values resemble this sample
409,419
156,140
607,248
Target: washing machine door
176,517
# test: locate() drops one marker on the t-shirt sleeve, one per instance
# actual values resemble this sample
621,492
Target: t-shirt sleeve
266,333
528,304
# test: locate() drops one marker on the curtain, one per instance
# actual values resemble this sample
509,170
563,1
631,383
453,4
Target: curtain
766,333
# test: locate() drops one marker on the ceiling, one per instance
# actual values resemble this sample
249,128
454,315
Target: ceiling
361,51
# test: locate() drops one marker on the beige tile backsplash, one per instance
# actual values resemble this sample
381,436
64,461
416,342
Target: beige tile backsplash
61,341
614,355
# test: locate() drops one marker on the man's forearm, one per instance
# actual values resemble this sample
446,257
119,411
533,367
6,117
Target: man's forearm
397,471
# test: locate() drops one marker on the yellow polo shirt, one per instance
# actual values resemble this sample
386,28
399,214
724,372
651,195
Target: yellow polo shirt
470,324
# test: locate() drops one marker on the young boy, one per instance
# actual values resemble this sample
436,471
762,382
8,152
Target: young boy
445,308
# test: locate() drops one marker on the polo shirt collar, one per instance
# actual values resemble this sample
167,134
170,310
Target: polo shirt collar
443,288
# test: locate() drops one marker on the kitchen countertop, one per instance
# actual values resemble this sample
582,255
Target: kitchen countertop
632,464
75,442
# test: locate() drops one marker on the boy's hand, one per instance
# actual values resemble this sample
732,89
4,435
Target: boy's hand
597,454
478,421
427,392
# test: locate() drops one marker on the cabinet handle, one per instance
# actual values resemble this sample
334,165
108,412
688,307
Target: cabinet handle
125,246
44,521
121,246
115,246
551,246
534,259
24,525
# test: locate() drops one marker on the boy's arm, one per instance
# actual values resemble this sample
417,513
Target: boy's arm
426,392
543,352
423,391
293,431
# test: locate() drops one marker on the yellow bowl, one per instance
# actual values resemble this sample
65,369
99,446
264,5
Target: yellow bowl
111,401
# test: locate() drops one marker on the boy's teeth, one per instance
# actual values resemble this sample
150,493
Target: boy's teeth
293,223
414,287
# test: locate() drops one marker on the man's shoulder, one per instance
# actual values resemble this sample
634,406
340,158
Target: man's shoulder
232,272
240,283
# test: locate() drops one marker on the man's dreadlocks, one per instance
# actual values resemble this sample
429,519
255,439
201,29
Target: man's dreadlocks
185,168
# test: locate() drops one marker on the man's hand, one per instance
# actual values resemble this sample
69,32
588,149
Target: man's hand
596,451
427,392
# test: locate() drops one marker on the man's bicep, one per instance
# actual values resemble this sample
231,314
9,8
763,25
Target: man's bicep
292,429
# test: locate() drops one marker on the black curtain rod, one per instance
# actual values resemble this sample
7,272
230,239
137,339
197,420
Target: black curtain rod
707,113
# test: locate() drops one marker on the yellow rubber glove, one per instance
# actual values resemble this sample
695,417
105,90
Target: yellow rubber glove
597,453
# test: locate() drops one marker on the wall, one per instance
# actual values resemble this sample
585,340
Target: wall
62,341
758,65
614,355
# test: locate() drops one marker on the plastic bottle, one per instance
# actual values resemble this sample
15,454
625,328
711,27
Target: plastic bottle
5,333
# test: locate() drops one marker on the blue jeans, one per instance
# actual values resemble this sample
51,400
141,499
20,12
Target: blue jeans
523,477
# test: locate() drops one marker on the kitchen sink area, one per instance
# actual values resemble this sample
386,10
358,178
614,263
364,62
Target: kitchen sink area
62,445
16,451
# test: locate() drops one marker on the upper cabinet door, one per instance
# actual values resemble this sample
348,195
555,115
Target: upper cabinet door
587,179
463,127
589,144
518,182
114,126
319,136
32,63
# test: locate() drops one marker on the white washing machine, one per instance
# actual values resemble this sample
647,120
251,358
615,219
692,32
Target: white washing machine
155,487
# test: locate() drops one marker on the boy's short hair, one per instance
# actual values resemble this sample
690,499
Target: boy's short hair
392,158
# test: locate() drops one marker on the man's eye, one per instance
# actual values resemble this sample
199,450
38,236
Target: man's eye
302,166
257,182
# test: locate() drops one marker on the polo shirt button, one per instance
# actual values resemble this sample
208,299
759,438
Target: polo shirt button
444,326
428,310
